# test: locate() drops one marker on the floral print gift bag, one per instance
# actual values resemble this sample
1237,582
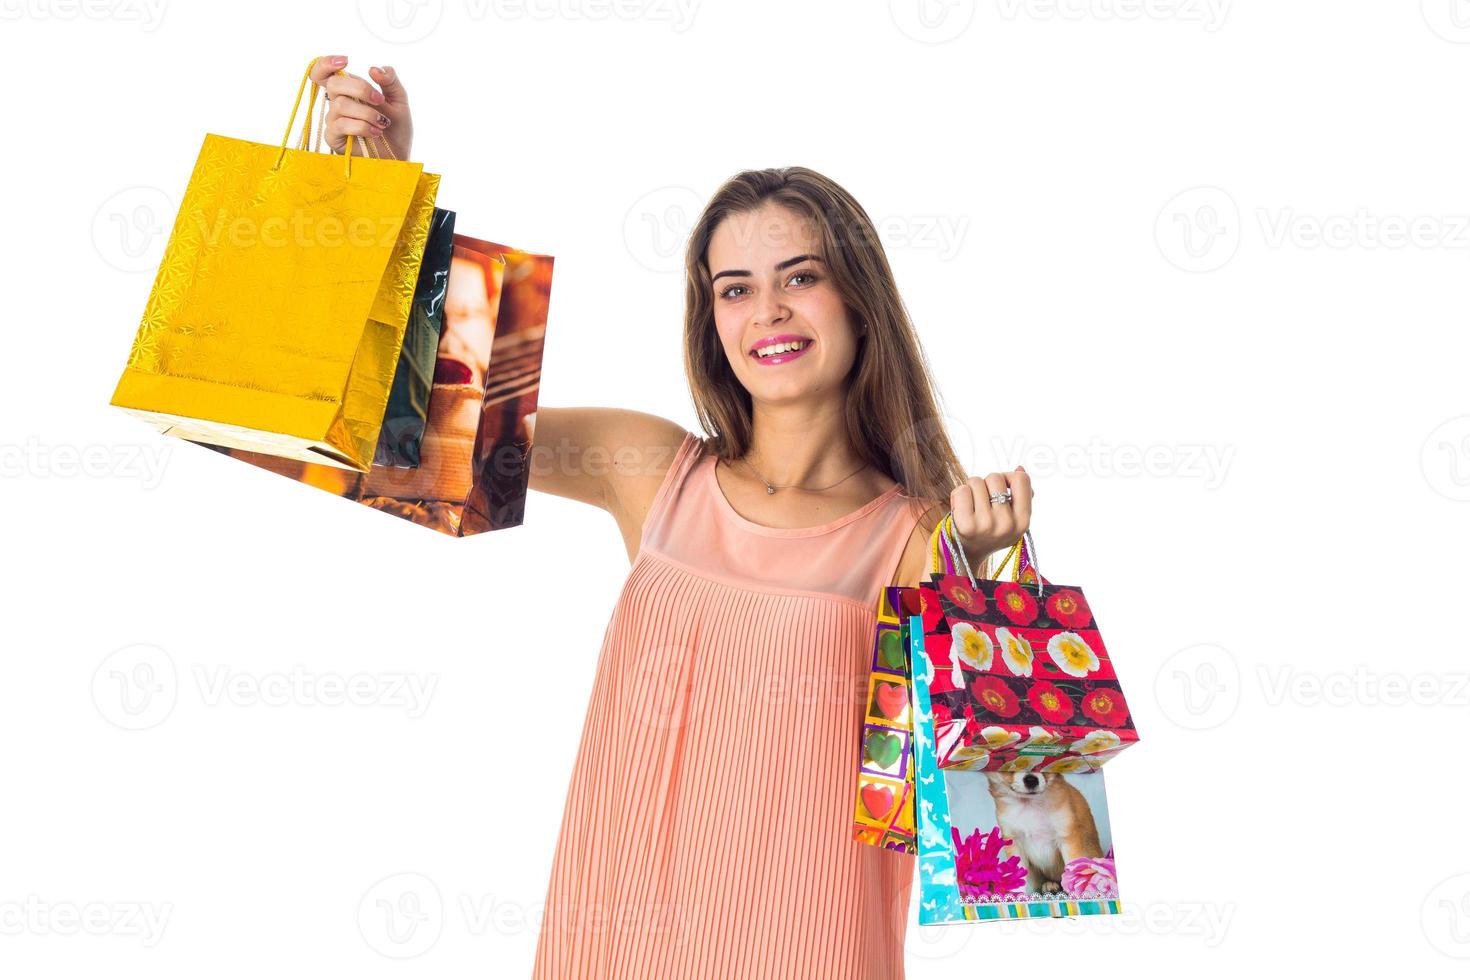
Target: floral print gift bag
1015,709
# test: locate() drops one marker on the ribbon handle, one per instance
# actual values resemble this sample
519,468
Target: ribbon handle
946,552
306,123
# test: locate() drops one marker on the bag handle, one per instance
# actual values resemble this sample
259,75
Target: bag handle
945,545
306,127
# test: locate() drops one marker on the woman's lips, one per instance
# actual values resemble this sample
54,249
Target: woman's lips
448,371
790,355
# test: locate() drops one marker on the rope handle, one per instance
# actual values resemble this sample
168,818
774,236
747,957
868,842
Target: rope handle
946,552
306,124
306,127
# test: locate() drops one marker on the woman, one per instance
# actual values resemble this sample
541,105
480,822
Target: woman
707,829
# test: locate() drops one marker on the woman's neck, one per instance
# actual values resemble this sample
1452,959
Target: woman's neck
796,447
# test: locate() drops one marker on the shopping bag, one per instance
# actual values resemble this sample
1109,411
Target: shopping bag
474,465
1014,843
884,809
1023,673
407,411
277,315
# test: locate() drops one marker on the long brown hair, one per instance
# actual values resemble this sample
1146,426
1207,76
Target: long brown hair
892,408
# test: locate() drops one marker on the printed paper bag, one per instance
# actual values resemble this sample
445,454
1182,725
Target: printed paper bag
1013,843
277,315
476,449
884,812
1023,677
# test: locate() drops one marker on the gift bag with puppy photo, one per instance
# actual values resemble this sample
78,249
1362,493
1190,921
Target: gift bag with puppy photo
1029,838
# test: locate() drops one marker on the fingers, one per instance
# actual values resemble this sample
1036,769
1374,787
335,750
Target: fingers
352,109
343,127
393,91
1002,516
976,517
326,65
353,87
1021,493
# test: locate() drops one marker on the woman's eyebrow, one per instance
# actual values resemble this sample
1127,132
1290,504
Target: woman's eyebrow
779,266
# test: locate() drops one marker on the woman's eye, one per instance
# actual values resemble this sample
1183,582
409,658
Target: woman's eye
810,276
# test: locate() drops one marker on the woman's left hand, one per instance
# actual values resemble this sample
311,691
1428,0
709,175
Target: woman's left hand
983,526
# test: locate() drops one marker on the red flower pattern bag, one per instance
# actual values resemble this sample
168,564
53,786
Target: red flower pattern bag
1022,678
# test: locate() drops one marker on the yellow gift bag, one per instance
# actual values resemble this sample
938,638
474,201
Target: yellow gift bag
279,309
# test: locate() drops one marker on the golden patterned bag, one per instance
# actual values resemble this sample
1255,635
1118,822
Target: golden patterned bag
278,312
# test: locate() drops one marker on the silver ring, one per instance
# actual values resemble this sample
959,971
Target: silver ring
1001,498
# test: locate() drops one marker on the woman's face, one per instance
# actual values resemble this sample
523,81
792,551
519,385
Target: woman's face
770,284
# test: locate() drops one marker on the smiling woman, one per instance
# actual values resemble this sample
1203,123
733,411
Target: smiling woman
707,823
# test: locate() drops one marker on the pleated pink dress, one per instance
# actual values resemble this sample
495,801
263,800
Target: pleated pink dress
707,832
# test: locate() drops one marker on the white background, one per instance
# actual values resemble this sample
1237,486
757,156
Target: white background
1228,240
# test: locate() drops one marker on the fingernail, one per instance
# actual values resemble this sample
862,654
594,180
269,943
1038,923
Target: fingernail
339,60
383,120
388,70
377,97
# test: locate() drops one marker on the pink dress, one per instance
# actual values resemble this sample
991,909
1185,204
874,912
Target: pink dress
708,825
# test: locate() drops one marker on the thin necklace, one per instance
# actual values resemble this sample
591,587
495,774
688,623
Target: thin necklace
770,488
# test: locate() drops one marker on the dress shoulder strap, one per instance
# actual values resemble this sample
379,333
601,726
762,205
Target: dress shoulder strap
686,456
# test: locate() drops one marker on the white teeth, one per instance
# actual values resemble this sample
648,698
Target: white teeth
780,348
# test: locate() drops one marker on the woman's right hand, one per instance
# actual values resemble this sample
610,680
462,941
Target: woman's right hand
358,108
